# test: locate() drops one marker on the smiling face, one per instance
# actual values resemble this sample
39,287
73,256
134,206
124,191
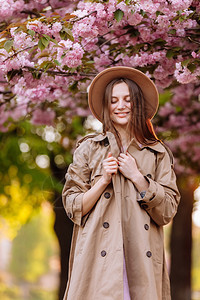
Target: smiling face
120,106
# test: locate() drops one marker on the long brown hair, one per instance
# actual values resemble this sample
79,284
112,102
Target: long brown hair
139,126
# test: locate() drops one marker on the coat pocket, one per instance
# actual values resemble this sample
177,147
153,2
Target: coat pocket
157,243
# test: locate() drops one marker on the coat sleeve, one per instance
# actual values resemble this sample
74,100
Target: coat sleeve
162,197
77,183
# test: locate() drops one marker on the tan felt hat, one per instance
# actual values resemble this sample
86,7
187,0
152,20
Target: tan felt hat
99,83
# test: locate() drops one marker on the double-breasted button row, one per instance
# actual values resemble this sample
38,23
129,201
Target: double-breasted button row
103,253
146,226
107,195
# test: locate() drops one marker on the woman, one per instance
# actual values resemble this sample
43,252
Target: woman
120,190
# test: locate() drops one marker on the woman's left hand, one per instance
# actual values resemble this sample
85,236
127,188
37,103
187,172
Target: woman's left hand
128,166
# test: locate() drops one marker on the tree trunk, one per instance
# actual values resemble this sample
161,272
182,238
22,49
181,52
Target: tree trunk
181,242
63,228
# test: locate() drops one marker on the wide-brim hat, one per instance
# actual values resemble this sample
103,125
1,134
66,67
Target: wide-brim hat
97,89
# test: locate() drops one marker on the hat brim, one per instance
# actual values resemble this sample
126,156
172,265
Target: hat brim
99,83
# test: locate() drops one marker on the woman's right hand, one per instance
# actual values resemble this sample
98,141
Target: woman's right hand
110,167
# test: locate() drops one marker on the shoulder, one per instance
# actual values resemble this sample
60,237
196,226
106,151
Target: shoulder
88,148
163,150
90,138
169,152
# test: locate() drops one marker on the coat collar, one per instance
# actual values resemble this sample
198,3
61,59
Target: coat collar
157,147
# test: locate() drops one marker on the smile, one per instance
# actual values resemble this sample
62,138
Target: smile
122,114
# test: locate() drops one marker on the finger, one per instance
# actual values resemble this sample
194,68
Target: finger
120,159
109,154
122,155
108,168
112,163
110,172
110,159
128,154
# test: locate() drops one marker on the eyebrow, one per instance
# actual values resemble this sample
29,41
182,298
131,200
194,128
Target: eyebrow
117,97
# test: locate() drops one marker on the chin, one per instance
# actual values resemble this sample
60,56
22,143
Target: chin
122,124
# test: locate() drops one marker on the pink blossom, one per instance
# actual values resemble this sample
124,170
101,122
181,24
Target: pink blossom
43,117
164,83
180,4
183,74
163,21
166,110
57,26
35,26
102,60
8,7
22,40
18,5
149,6
145,34
134,19
160,73
41,1
86,28
180,32
90,44
38,94
71,54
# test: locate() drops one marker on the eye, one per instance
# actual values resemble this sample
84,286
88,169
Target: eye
128,99
114,100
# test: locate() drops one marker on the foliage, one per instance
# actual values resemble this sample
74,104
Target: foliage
8,293
13,293
24,183
31,250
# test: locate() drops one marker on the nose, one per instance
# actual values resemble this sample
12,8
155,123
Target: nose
121,104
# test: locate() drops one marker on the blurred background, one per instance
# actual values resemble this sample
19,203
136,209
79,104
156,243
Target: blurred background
45,82
35,232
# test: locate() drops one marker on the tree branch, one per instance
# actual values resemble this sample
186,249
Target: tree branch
59,73
78,19
192,40
5,92
18,52
30,12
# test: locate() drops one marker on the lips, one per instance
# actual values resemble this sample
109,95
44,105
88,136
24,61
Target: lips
122,114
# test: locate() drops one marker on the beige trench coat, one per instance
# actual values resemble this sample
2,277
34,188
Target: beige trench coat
120,222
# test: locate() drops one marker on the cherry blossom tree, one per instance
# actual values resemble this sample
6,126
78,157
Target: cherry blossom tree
50,50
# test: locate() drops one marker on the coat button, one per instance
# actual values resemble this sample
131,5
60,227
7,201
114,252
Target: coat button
106,225
148,254
146,226
149,175
145,206
106,142
107,195
103,253
69,215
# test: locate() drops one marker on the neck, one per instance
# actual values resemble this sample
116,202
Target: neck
124,135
